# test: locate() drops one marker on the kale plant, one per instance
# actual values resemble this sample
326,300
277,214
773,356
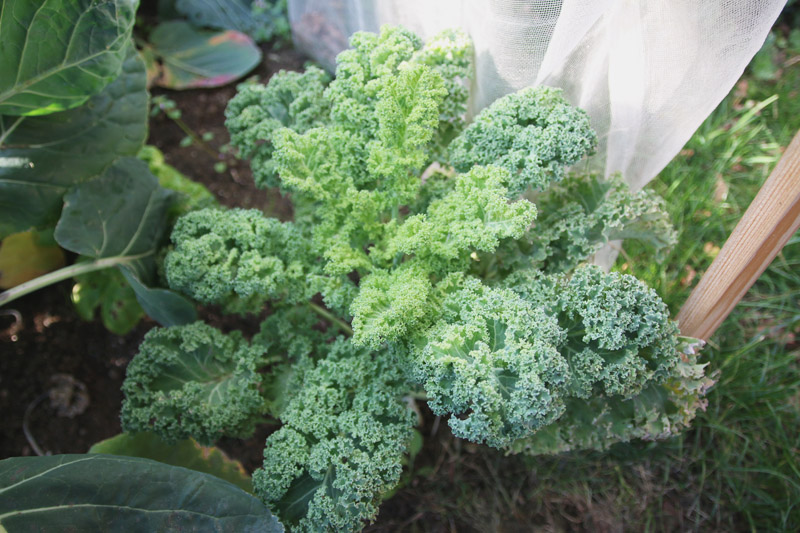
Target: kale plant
416,266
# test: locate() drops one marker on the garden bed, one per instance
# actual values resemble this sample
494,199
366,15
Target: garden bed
455,485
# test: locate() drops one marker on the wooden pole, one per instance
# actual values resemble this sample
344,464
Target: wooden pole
771,219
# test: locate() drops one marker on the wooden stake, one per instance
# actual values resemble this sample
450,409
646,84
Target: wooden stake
771,219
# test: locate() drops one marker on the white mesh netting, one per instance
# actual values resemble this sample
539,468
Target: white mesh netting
648,72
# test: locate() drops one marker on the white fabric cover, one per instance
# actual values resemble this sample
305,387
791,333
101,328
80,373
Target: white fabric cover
647,71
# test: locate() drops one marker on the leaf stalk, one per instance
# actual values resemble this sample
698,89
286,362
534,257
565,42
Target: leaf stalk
324,313
65,273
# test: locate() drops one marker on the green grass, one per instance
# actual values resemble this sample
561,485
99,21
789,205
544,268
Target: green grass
738,468
745,448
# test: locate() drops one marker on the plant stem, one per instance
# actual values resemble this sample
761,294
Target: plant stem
62,274
330,317
10,129
196,138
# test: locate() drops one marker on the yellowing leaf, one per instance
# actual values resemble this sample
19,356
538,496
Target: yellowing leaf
23,257
186,453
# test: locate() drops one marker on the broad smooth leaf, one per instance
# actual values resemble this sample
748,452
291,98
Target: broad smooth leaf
98,492
41,157
192,58
55,54
24,256
186,453
121,216
166,307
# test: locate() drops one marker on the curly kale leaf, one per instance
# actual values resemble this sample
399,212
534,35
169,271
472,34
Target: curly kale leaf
474,217
534,133
355,186
340,449
359,70
508,363
359,167
581,214
323,168
290,100
193,381
450,54
437,182
491,362
390,303
576,218
238,259
373,60
408,115
619,335
321,164
290,333
290,336
659,411
328,162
